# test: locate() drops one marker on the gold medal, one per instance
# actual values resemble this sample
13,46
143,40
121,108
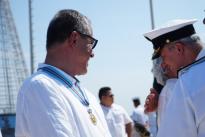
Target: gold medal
92,117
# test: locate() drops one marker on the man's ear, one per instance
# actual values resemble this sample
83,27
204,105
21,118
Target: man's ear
180,48
72,39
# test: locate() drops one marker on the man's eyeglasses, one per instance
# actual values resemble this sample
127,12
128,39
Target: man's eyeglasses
93,40
111,95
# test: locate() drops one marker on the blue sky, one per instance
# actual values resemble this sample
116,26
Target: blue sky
123,56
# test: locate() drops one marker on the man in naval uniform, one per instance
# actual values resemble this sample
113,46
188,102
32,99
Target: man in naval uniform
181,49
52,103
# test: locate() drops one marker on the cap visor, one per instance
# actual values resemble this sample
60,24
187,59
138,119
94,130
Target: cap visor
155,55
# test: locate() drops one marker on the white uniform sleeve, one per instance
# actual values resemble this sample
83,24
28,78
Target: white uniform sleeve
41,112
197,102
126,117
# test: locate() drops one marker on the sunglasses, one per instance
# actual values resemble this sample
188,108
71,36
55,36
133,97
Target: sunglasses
111,95
93,40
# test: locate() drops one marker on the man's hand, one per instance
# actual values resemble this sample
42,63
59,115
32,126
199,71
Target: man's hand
151,101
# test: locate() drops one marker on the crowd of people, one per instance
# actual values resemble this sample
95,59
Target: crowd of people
53,103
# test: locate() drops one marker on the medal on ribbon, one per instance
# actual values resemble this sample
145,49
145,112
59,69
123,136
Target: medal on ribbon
92,116
79,94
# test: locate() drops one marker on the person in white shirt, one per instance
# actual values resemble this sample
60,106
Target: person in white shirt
119,122
139,118
138,114
181,49
51,102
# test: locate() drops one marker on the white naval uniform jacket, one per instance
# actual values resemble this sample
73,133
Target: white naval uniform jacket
46,108
185,113
164,97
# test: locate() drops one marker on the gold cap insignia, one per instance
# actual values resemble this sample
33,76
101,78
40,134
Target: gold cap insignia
167,41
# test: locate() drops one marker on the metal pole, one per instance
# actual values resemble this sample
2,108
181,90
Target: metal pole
204,19
152,14
153,26
31,37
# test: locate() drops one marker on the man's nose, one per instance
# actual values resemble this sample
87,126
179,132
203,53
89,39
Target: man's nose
92,55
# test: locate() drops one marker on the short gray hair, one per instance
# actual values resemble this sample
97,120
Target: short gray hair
64,23
191,40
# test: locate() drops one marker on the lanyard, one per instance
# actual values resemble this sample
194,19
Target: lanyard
81,96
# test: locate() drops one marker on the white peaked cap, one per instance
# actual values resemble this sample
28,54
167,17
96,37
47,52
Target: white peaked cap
170,32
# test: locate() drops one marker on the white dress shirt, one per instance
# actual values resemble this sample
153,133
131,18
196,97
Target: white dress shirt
47,108
116,118
139,116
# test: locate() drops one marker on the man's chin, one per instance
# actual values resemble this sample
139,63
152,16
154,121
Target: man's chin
83,72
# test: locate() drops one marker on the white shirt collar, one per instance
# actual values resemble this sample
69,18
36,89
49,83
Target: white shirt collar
72,79
106,107
201,54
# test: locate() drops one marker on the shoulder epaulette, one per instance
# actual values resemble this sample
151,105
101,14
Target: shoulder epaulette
184,69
